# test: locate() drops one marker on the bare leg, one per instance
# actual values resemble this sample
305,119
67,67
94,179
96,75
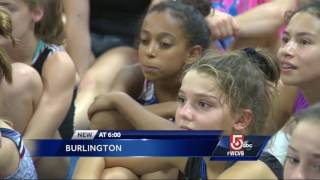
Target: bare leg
98,80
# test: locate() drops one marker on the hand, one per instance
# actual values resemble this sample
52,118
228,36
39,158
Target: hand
101,103
222,25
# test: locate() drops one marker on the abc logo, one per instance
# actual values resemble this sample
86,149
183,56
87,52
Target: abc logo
247,145
236,142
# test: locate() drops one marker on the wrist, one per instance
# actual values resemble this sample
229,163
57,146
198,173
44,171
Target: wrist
118,98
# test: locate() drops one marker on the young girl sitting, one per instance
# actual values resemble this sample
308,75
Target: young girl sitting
231,92
37,27
15,161
172,36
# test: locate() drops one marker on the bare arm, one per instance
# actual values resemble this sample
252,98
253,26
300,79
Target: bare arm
264,19
259,27
105,118
129,80
92,168
126,83
261,21
165,109
58,78
77,34
132,111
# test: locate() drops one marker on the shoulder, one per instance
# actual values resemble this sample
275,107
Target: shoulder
9,157
22,70
59,65
57,57
60,59
25,78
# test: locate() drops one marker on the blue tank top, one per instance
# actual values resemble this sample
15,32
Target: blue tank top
43,51
147,97
26,168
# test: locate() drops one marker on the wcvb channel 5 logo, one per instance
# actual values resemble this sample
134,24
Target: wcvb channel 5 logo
238,145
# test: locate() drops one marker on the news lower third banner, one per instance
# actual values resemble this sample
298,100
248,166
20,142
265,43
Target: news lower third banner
94,143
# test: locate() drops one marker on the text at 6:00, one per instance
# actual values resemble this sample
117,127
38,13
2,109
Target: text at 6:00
114,134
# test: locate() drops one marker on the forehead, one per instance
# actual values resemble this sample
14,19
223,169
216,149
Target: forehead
305,137
304,22
9,2
200,83
163,21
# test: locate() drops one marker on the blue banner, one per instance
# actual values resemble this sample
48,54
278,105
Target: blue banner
95,143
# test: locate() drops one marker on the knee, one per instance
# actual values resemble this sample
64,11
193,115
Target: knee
88,82
102,73
120,55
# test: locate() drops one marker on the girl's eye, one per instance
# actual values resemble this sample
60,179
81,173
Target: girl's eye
181,100
165,45
203,105
285,39
304,42
143,41
292,160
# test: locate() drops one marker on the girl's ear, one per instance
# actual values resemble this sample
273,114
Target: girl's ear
37,14
244,121
194,54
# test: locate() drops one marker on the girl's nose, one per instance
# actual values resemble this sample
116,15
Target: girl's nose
151,50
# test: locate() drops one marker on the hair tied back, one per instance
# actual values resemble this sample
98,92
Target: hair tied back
260,61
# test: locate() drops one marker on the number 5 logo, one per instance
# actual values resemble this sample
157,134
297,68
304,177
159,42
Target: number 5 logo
236,142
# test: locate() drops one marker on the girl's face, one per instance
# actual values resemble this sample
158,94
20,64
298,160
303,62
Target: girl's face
23,20
300,51
201,106
303,159
163,46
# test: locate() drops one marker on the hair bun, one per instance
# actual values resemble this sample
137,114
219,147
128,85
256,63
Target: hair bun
261,61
